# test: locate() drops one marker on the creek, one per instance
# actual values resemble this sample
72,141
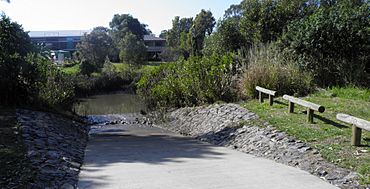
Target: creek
120,103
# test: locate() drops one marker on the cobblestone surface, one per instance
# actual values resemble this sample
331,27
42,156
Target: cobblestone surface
55,148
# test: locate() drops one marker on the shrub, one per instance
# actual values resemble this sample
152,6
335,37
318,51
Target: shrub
333,43
268,67
187,83
52,87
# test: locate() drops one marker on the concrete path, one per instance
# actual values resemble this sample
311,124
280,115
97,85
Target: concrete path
133,157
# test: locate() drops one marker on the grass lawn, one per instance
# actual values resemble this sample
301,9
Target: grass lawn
14,166
73,70
330,136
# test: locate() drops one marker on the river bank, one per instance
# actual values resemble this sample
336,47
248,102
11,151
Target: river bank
54,148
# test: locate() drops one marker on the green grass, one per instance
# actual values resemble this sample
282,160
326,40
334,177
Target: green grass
73,70
121,67
330,136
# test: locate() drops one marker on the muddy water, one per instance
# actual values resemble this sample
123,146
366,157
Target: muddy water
121,103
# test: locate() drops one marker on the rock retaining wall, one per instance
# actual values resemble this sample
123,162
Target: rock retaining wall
227,125
55,148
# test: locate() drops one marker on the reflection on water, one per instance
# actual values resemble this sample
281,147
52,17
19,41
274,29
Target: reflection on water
109,104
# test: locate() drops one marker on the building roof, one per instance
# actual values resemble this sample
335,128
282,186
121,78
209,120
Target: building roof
58,33
152,38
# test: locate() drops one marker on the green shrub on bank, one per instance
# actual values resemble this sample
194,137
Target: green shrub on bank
52,88
189,82
333,43
268,67
110,79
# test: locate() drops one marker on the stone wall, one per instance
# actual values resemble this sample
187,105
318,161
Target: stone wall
55,147
230,125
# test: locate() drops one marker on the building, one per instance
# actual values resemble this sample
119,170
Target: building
61,43
155,46
66,41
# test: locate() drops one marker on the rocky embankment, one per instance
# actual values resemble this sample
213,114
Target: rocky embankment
55,148
232,126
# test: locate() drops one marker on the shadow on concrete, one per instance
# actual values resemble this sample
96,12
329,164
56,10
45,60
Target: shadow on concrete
107,148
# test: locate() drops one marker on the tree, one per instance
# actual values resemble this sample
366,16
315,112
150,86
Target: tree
15,70
124,24
163,34
202,27
132,51
179,27
264,21
123,28
333,43
177,39
234,11
94,48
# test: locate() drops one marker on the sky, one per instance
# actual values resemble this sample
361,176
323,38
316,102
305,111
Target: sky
44,15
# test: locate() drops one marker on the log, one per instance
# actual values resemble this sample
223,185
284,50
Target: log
304,103
266,91
360,123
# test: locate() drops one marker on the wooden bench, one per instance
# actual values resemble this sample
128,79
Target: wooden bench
311,107
266,91
357,126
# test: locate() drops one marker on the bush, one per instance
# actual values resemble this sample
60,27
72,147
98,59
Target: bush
268,67
187,83
16,74
111,79
52,88
333,43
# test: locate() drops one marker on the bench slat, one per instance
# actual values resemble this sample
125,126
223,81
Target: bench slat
304,103
267,91
360,123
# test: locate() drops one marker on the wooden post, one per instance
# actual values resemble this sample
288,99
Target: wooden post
356,136
291,107
271,100
260,96
310,115
357,126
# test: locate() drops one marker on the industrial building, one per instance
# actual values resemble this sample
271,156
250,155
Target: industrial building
63,43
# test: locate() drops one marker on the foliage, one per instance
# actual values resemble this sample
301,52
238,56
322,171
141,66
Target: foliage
114,76
228,38
15,72
264,21
177,39
334,43
268,67
202,27
124,24
54,88
94,48
71,70
331,137
132,51
191,82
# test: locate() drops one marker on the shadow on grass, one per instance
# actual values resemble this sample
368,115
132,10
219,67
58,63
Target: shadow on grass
330,122
280,102
367,141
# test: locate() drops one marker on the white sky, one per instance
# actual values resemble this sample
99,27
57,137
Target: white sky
36,15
